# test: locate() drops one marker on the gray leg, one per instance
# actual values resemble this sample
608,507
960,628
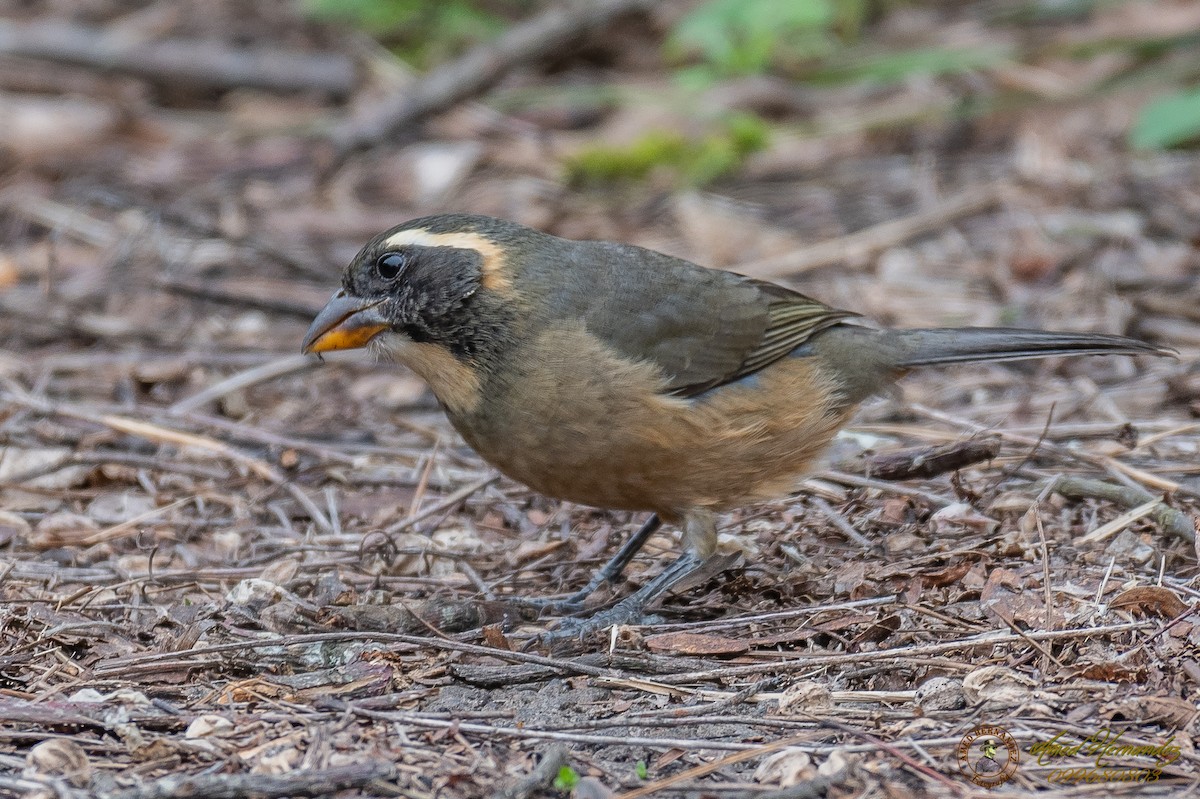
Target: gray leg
631,609
700,538
609,572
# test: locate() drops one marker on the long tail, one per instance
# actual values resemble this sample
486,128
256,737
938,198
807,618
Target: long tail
930,347
865,360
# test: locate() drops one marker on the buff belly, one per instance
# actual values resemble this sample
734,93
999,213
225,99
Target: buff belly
585,425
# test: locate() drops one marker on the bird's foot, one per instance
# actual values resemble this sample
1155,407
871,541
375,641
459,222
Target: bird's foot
609,573
581,627
631,609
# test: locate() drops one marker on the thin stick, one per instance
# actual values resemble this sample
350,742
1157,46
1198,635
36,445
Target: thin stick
716,765
177,438
841,523
687,744
811,662
479,68
118,530
447,503
262,373
1118,524
179,61
857,248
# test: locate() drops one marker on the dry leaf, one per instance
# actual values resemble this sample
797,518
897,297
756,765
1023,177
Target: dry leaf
60,757
668,757
15,462
834,764
1150,600
281,762
849,577
591,788
997,685
209,725
947,576
391,391
997,581
786,768
960,515
41,127
1111,672
493,636
9,272
805,696
281,571
880,630
1170,712
254,590
62,530
695,644
117,507
12,527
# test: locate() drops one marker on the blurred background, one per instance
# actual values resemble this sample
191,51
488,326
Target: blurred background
1021,147
181,184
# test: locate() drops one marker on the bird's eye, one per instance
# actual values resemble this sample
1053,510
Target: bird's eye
390,265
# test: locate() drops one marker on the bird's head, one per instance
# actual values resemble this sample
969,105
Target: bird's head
417,283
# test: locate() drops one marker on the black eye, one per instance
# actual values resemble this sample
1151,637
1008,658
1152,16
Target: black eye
390,265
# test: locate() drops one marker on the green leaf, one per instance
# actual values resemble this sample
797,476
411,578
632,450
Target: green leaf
894,67
567,779
421,32
1167,122
744,37
374,16
642,772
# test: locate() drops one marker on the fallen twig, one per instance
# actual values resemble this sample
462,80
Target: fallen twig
130,459
442,614
841,522
477,69
715,765
917,462
834,476
1169,519
445,504
165,435
239,298
859,246
307,782
897,653
207,65
288,364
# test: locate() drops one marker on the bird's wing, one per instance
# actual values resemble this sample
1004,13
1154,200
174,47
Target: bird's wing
702,327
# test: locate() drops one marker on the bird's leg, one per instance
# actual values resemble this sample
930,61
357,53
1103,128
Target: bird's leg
609,572
700,538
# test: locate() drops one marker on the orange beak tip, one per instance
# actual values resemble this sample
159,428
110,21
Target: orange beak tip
345,323
344,336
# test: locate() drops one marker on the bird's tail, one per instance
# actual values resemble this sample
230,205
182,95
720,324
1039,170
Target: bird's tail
934,346
866,360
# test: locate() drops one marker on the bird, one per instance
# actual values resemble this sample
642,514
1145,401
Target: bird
622,378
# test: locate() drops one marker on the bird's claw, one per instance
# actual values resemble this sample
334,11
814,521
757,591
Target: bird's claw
579,628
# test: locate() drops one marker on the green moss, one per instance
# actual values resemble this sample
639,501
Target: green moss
685,160
418,31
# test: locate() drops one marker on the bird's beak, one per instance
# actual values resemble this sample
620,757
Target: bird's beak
345,323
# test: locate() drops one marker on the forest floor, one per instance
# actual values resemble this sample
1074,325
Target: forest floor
230,570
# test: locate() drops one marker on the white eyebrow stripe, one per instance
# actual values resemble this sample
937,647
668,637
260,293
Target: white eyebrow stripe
494,275
423,238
